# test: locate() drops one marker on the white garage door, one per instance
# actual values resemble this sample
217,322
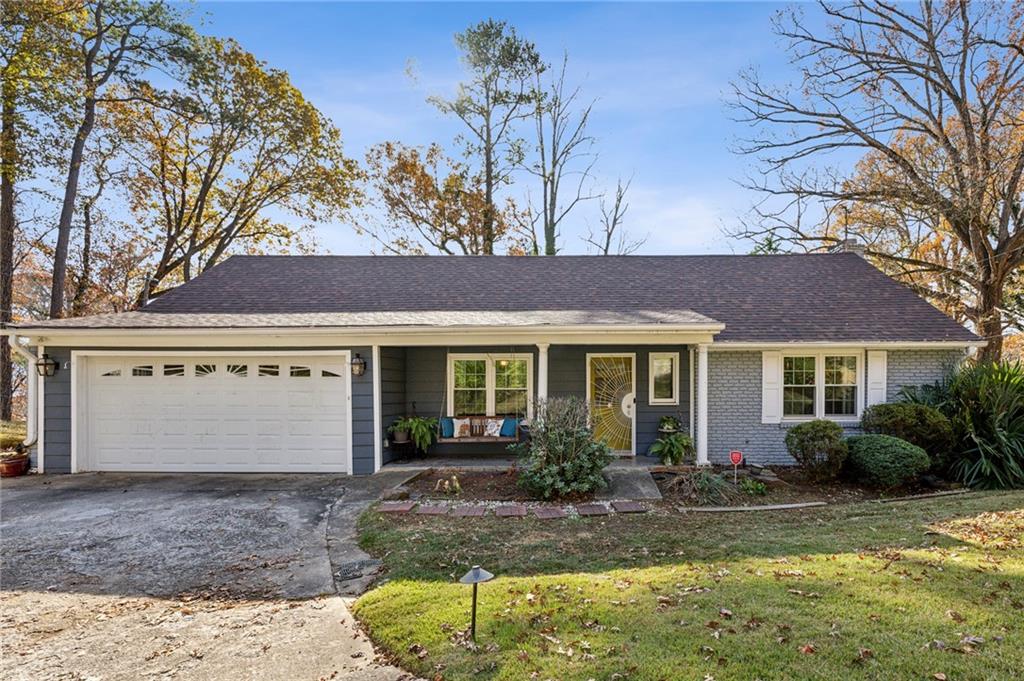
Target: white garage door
216,414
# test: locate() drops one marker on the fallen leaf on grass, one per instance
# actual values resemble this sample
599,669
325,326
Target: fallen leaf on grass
863,655
939,676
418,650
955,616
805,594
727,614
808,649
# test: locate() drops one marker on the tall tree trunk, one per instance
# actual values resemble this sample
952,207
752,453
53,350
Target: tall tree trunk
488,230
550,205
8,158
67,211
78,301
990,322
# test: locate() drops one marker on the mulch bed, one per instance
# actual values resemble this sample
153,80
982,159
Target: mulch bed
475,485
790,488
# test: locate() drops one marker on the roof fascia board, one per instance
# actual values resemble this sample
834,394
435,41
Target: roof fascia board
230,339
723,346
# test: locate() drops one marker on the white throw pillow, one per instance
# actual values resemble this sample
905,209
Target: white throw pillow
462,427
493,427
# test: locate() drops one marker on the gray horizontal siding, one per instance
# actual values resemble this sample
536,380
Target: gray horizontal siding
392,392
567,376
426,389
57,414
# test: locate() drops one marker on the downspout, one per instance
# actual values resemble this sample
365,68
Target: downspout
31,379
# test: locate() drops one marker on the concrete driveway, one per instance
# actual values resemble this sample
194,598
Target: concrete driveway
192,576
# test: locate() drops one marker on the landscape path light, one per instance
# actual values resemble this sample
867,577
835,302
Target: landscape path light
475,576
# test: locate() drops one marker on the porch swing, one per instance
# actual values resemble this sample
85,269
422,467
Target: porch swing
477,425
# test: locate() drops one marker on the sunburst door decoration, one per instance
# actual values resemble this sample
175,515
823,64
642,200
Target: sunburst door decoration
611,401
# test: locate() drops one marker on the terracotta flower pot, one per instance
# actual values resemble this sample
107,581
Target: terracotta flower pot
13,466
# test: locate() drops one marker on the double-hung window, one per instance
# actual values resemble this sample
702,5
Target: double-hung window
490,385
820,386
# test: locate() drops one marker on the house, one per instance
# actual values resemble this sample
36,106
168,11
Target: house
300,363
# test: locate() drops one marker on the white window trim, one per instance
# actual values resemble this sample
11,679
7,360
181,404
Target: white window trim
819,385
490,382
651,399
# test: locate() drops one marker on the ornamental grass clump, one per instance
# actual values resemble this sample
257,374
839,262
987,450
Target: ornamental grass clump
562,457
985,404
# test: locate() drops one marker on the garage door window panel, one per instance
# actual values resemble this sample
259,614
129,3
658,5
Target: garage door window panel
238,370
174,370
204,370
269,370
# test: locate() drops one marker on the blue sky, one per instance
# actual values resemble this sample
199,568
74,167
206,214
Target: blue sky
660,74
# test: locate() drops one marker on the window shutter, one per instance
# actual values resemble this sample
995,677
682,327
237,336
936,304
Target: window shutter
771,387
877,376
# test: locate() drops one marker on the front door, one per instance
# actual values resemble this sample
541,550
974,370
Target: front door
611,393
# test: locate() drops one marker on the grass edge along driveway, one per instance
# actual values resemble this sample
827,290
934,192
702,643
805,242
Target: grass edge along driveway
914,590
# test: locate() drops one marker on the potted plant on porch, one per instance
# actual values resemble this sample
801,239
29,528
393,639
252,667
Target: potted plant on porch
420,429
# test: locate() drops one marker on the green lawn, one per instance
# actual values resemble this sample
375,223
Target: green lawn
11,433
863,591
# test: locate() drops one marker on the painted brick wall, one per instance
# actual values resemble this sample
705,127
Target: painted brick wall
918,367
734,400
57,419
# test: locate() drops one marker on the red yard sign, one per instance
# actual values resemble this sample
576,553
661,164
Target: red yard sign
737,458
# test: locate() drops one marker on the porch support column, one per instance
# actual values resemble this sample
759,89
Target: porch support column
542,372
702,405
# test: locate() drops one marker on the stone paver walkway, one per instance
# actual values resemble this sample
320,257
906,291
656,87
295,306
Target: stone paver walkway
515,511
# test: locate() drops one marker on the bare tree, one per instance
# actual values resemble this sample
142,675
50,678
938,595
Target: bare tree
612,238
563,151
119,43
498,94
932,95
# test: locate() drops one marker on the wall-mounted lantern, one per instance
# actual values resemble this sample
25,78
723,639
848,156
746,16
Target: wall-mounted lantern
46,366
358,365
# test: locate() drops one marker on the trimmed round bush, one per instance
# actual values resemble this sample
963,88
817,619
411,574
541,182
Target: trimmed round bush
918,424
818,447
884,461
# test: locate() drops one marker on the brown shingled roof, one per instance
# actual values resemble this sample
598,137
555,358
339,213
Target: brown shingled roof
777,298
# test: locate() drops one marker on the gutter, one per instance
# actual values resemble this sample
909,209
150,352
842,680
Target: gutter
31,379
55,331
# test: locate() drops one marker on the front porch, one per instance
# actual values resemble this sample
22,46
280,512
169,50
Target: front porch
631,387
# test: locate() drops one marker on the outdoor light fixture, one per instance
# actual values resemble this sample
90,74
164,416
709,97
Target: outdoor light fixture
475,576
358,365
46,366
